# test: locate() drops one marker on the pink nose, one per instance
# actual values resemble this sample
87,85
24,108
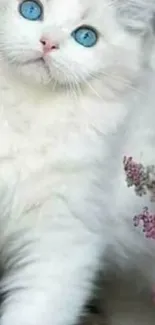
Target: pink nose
48,45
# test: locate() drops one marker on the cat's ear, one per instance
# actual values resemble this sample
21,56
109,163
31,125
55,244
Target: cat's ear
136,15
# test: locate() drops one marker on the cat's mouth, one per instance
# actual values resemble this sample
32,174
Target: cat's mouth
39,60
37,66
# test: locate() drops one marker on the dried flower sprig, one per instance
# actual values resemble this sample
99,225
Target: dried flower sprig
147,220
141,177
143,180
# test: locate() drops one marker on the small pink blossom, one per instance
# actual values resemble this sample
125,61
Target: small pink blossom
147,220
140,177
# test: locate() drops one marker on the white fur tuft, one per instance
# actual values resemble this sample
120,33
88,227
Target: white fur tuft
64,129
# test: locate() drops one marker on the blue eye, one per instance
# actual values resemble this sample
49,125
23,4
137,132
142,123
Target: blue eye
85,36
30,10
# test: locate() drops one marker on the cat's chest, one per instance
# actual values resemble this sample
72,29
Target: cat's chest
52,131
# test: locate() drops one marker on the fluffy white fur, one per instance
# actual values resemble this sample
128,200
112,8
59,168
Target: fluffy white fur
65,125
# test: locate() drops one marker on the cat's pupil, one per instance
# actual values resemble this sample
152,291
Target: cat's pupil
86,35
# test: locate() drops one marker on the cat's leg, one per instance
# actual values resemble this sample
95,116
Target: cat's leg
48,271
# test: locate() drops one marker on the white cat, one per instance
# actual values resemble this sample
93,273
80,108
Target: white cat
74,83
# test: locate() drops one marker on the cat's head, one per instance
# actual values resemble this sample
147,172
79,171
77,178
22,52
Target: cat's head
73,41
